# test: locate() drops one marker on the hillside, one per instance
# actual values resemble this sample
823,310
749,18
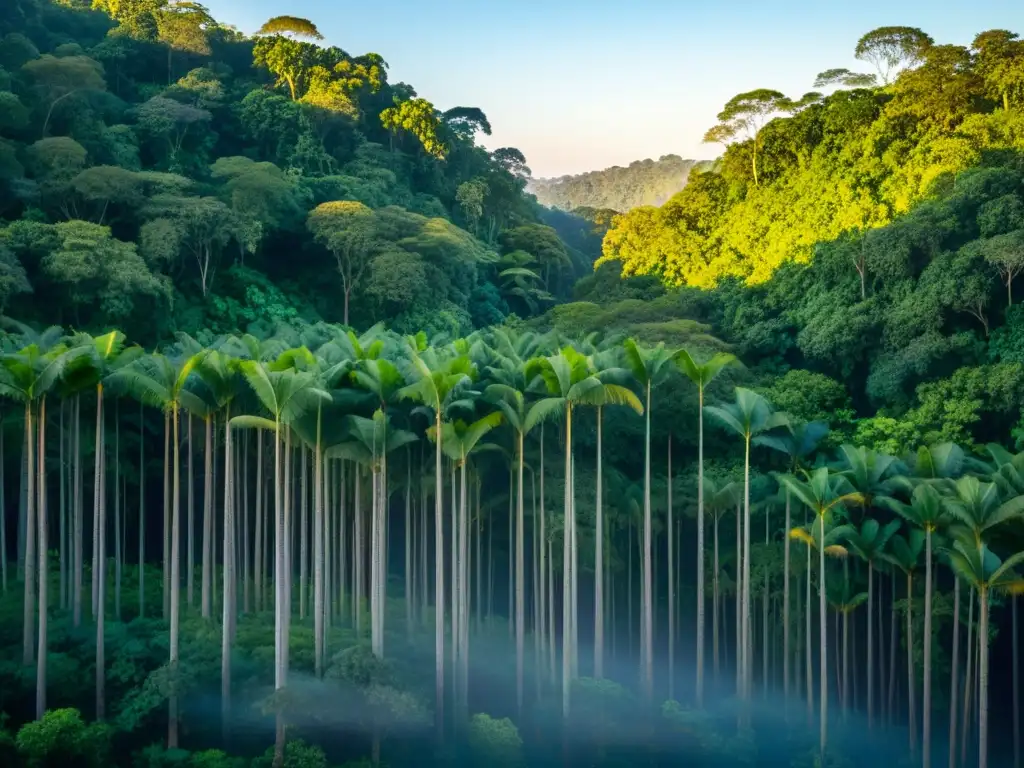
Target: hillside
159,170
643,182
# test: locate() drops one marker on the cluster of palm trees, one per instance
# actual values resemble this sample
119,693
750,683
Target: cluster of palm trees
329,410
899,517
313,426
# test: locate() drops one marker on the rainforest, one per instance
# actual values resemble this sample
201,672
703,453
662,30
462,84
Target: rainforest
323,443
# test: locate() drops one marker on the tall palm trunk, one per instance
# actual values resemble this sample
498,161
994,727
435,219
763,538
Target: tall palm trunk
520,581
142,514
279,598
190,570
983,679
43,575
785,608
167,513
671,585
320,544
100,556
700,557
808,644
871,647
926,700
303,536
911,699
227,604
567,569
714,604
823,665
954,678
599,563
29,575
747,635
647,624
438,582
78,557
207,589
172,715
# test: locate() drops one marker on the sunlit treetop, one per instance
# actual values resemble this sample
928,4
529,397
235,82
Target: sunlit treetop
893,49
845,78
290,25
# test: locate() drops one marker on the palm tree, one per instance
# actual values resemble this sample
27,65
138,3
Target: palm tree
718,501
649,366
286,395
370,442
702,375
926,511
438,384
748,416
904,553
869,543
460,440
823,492
28,376
161,382
797,443
569,380
977,565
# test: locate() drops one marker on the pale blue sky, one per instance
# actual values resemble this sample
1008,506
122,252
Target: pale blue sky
580,85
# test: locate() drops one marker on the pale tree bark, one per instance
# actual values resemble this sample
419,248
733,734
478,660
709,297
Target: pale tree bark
954,678
785,608
175,581
100,539
926,699
520,579
647,623
983,680
227,604
599,563
700,557
438,584
207,587
671,587
43,575
29,575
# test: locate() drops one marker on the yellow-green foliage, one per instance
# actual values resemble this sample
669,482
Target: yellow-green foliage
846,163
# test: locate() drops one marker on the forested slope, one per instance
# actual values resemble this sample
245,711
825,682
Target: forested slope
160,170
642,182
878,246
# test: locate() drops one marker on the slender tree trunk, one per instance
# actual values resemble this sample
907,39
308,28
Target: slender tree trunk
207,588
893,623
321,544
100,539
954,678
227,604
190,573
599,563
280,604
823,666
1016,691
29,574
520,579
808,644
871,647
167,514
43,575
647,620
303,537
911,700
983,680
747,634
700,557
567,569
410,572
714,601
117,512
785,606
671,586
172,717
62,475
3,516
142,512
926,699
438,583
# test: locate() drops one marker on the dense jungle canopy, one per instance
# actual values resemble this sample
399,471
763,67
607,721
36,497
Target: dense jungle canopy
323,442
